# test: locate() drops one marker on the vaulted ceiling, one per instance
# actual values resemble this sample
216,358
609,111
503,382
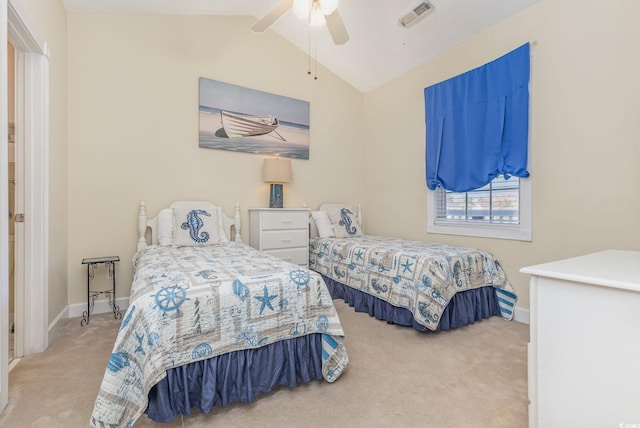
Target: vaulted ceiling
379,48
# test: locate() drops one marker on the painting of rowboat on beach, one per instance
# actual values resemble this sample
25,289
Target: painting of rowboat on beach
247,120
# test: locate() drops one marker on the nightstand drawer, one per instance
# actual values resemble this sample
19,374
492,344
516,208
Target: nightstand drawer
285,220
281,232
297,256
273,239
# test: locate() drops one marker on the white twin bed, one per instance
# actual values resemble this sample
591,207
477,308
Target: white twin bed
233,320
425,285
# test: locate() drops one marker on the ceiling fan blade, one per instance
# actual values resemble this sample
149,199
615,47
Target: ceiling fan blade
272,17
336,28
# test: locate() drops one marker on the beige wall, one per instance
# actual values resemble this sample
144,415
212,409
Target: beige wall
133,127
133,82
49,17
586,135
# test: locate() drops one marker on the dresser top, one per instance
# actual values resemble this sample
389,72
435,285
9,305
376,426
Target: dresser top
610,268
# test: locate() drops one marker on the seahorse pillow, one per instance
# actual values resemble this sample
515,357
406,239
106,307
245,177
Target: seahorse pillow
198,225
344,223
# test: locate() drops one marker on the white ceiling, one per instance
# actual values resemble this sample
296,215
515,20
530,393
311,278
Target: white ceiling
379,49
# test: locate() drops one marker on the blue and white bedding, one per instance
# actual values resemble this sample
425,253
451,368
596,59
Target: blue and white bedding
192,303
421,277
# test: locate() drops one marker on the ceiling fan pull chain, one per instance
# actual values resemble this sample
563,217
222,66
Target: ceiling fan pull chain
315,56
309,48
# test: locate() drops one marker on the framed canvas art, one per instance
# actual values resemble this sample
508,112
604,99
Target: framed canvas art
247,120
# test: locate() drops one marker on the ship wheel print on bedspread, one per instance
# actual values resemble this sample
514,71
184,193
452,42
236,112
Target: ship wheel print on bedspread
299,277
194,223
170,299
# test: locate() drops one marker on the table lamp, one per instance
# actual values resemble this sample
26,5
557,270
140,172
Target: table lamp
276,171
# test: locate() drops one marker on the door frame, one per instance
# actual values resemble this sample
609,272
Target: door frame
32,236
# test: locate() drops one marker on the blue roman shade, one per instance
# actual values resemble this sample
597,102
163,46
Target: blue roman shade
478,124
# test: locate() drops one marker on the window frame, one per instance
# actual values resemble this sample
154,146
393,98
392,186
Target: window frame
521,232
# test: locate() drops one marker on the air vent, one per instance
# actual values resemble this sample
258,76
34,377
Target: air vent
420,11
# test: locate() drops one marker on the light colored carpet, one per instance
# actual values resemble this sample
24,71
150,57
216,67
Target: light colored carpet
474,376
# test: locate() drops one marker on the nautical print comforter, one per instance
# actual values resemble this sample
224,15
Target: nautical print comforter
192,303
418,276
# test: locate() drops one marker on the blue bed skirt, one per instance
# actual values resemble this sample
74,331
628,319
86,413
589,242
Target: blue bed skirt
464,308
236,376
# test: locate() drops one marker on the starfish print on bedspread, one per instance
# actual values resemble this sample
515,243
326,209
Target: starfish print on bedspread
265,300
407,266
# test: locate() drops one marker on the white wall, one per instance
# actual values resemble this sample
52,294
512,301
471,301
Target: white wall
133,127
586,134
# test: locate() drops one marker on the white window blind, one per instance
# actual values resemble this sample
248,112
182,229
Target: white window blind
501,209
495,203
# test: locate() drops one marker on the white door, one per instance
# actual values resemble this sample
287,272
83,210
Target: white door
31,133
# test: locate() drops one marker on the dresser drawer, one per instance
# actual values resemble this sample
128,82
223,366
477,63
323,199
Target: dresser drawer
297,256
273,239
285,220
281,232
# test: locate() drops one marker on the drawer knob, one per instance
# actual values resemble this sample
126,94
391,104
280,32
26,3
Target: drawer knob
286,240
286,221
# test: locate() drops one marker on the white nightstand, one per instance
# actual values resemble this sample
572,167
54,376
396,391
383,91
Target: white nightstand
281,232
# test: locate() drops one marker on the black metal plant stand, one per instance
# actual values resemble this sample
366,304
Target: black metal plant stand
110,264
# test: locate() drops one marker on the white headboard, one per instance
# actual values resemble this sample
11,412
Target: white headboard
231,225
313,231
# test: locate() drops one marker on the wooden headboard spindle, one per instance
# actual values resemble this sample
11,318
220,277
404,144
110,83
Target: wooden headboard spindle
236,222
142,226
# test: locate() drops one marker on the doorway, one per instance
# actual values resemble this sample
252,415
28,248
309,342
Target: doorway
31,132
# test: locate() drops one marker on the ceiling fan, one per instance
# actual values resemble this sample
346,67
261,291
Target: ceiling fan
317,12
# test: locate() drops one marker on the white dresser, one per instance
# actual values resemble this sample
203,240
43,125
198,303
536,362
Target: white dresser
584,348
281,232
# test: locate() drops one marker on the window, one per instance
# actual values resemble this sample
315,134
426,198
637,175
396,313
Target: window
501,209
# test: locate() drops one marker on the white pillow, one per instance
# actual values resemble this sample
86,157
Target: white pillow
222,236
197,225
165,227
344,223
323,224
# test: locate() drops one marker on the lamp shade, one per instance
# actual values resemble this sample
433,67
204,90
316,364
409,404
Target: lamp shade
276,171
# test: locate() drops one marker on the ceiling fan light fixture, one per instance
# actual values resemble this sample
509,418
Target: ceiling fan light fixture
318,8
328,6
317,19
301,8
314,12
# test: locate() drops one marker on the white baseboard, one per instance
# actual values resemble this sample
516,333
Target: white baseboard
53,325
521,315
77,309
14,363
100,307
64,313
